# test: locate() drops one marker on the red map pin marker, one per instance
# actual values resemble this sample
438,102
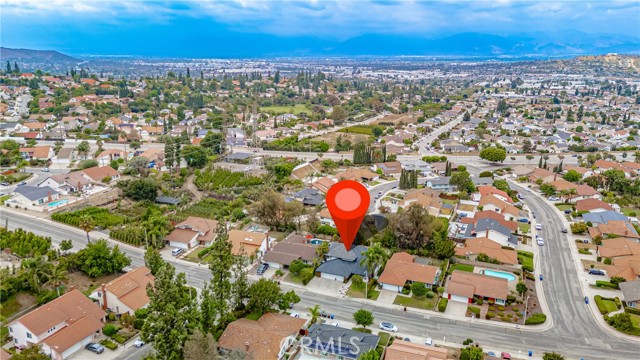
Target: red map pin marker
348,202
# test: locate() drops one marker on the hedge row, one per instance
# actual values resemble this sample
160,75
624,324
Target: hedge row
442,304
536,319
606,284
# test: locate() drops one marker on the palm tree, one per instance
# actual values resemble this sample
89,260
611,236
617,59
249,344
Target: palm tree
375,256
57,275
87,224
571,193
156,228
37,271
83,148
314,312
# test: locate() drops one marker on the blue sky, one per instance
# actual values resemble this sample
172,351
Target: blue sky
131,27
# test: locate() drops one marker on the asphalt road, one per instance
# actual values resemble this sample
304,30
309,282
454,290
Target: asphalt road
574,333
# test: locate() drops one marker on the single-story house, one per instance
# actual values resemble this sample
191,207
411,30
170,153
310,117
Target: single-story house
309,197
62,327
192,232
603,217
403,268
328,341
463,286
99,173
342,264
248,243
37,153
268,338
482,245
406,350
592,205
125,294
293,247
631,293
492,229
440,184
614,227
34,195
67,183
358,175
392,168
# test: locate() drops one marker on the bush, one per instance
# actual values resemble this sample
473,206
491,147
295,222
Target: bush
307,274
490,315
119,338
111,317
406,291
109,330
467,342
515,308
296,267
108,344
440,289
491,301
430,294
505,319
631,310
500,308
418,289
202,253
606,284
326,230
536,319
578,228
511,298
607,261
474,310
279,273
618,303
442,304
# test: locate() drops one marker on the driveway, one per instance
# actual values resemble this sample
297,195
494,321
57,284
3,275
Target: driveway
455,308
326,286
387,296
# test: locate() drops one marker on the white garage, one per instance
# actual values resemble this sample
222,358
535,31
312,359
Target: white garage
390,287
457,298
332,277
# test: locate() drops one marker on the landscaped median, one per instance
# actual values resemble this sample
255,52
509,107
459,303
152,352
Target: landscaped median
627,321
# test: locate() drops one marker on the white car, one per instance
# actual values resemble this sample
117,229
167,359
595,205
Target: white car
540,241
388,326
294,314
428,342
538,226
138,343
335,324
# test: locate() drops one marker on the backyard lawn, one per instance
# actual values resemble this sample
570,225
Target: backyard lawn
462,267
414,302
296,109
526,261
564,207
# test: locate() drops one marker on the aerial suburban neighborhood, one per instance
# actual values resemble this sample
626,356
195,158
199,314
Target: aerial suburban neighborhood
177,208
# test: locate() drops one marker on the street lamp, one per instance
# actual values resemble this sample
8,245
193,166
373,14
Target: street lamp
366,283
526,307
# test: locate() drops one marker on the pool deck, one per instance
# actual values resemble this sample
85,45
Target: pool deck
511,284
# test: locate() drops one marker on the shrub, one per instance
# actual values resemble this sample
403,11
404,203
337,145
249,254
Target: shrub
511,298
479,301
536,319
440,289
109,330
406,291
491,301
606,284
631,310
474,310
202,253
279,273
119,338
111,317
509,315
442,304
500,308
505,319
418,289
431,294
108,344
607,261
307,274
490,315
501,313
296,267
467,342
515,308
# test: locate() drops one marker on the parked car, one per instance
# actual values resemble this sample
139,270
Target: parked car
596,272
554,198
586,300
177,251
262,268
335,324
567,211
45,170
564,230
407,339
540,241
505,356
22,183
294,314
520,196
96,348
538,226
388,326
585,241
428,342
4,183
138,343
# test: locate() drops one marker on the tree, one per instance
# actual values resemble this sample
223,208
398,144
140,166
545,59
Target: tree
548,189
296,266
493,154
529,157
153,260
363,317
240,285
135,144
462,180
140,189
374,257
195,156
214,141
66,245
486,174
87,224
216,294
269,209
8,71
288,299
572,176
263,295
472,353
466,116
200,346
521,288
83,148
315,313
616,280
371,354
552,356
172,313
413,227
169,153
578,228
139,165
31,353
418,289
313,221
98,259
444,248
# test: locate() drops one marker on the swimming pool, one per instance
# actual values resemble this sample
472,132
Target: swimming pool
500,274
316,241
58,202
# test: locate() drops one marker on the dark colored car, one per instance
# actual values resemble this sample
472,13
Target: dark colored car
596,272
262,268
586,299
96,348
567,211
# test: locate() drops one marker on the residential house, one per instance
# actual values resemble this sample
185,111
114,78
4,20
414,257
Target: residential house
592,205
62,327
125,294
425,197
107,156
323,184
192,232
403,268
306,169
493,230
309,197
406,350
236,137
482,245
342,264
325,341
625,257
358,175
492,203
392,168
37,153
482,181
67,183
422,167
268,338
511,225
631,293
64,157
34,195
248,243
603,217
441,184
293,247
584,172
464,286
615,228
543,174
100,173
490,190
326,218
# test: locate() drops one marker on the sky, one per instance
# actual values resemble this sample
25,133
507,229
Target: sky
144,27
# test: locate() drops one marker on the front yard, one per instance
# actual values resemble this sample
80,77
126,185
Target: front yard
564,207
415,302
523,228
359,292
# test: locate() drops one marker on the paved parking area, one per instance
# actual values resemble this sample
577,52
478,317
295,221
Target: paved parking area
325,285
387,296
455,308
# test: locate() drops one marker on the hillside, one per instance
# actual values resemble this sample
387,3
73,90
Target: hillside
34,55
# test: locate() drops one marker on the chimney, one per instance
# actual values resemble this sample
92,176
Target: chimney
246,346
555,177
486,234
104,297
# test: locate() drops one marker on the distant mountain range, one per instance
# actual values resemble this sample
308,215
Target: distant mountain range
7,54
244,45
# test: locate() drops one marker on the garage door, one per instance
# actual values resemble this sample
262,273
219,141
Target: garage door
274,265
332,277
391,287
459,299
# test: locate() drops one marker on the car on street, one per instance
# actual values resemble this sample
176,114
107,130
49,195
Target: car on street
138,343
294,314
428,342
388,326
586,300
564,230
407,339
96,348
538,226
540,241
596,272
45,170
554,198
4,184
520,196
22,183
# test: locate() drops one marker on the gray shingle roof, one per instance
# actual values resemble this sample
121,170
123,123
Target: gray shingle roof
34,192
630,290
603,217
340,341
342,267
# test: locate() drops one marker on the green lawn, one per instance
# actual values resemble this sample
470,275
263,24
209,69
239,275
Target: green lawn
635,320
4,198
564,207
523,228
526,261
253,316
296,109
450,202
630,211
384,338
9,307
294,279
419,303
358,292
461,267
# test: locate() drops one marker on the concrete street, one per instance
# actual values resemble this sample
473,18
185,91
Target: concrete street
574,332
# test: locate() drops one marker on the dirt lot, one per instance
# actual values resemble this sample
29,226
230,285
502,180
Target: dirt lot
331,137
397,118
84,283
